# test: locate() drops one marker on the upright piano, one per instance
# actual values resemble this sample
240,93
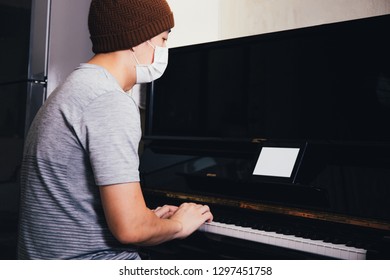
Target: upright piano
284,135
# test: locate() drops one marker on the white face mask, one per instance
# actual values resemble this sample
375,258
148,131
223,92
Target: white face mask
147,73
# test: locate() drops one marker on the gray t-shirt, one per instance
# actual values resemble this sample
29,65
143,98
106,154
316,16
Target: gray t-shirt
85,135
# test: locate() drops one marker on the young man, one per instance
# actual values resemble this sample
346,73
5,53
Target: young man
81,196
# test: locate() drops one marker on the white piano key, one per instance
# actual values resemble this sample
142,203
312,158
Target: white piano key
338,251
344,254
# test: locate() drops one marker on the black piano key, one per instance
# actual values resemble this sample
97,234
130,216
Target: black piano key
316,236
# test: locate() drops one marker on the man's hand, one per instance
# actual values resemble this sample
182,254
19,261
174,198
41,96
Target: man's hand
191,216
165,212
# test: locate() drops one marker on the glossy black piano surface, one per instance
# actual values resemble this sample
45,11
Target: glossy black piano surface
343,200
325,89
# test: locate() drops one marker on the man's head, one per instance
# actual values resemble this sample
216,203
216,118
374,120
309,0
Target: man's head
123,24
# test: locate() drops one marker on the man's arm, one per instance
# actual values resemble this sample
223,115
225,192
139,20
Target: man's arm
131,222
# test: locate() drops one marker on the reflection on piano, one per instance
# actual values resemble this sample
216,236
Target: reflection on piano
322,92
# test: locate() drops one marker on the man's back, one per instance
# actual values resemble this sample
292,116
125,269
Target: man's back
61,212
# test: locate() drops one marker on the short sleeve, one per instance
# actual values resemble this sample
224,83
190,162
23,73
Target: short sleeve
111,130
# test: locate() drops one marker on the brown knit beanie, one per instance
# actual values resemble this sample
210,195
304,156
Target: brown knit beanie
122,24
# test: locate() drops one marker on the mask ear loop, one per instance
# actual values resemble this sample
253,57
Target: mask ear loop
150,43
135,58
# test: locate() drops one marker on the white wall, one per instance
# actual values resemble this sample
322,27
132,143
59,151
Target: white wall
196,21
200,21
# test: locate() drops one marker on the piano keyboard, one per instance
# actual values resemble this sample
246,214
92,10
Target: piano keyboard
338,251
